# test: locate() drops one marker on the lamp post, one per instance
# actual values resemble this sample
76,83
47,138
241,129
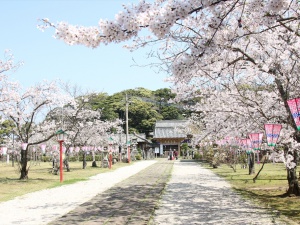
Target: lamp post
60,134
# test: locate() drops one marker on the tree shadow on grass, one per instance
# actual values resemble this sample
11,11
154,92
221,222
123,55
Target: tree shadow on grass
283,203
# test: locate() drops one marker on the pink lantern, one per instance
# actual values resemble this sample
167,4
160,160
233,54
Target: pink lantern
43,147
24,146
256,140
272,133
77,149
294,105
71,149
54,147
243,142
248,143
4,150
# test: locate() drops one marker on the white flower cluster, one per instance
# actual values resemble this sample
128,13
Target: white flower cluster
88,36
290,164
8,62
276,6
160,16
182,66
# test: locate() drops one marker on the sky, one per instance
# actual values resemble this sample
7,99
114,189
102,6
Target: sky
108,68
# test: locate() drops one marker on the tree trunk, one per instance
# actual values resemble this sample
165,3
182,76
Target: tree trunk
294,189
66,161
254,179
84,161
94,163
251,163
291,173
23,162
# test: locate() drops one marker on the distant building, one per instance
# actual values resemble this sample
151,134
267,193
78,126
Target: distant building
167,133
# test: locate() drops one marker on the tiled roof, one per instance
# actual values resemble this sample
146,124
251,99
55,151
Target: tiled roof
122,137
167,129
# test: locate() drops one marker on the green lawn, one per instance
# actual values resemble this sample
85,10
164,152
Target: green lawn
40,177
268,190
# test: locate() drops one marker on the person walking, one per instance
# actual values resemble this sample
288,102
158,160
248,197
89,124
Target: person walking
175,154
170,155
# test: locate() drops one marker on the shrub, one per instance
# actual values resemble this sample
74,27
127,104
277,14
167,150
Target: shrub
138,157
197,156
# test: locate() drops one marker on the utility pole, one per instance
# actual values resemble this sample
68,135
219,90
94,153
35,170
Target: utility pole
128,148
126,112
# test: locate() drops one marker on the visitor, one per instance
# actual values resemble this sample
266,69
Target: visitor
175,154
170,155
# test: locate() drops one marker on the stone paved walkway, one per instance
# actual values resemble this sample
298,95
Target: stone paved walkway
42,207
131,201
158,192
195,195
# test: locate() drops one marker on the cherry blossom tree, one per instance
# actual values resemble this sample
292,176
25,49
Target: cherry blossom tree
83,125
27,109
241,58
8,63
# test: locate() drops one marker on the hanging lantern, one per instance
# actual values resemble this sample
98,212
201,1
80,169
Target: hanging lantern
24,146
256,140
248,146
272,133
71,149
77,149
294,105
4,150
243,142
43,147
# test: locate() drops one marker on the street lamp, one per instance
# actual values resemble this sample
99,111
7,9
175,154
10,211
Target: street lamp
60,134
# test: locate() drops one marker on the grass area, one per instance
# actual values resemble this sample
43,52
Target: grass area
40,177
269,190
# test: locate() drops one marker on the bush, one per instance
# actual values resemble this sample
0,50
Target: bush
138,157
197,156
46,158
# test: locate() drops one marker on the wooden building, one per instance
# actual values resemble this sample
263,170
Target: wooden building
167,133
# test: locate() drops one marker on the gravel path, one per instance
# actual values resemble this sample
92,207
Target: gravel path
130,202
44,206
142,193
195,195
